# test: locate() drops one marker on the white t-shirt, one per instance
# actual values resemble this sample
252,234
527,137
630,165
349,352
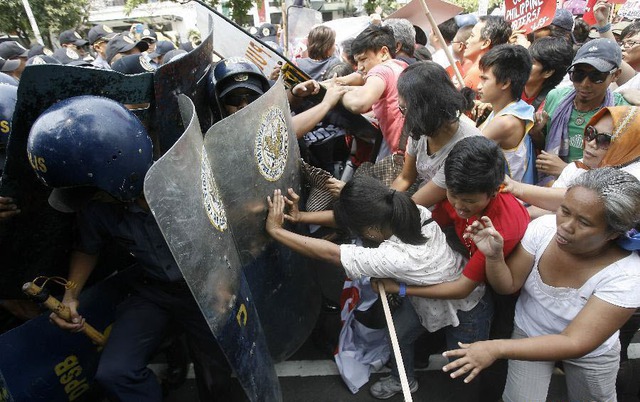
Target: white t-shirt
542,309
572,171
431,167
430,263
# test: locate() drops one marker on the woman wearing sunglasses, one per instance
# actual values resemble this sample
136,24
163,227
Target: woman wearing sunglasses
577,288
611,138
567,110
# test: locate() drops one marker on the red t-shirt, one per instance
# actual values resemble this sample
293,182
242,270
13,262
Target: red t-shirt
509,217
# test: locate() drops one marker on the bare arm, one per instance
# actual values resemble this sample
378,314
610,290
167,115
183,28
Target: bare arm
80,269
361,99
307,246
429,194
548,198
307,120
503,130
458,289
595,323
408,175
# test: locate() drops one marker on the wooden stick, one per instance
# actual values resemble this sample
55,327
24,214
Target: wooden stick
446,49
61,311
394,343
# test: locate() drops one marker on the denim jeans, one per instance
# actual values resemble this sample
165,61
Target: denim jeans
474,326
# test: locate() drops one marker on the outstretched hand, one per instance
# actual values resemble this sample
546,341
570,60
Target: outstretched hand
275,218
292,201
471,359
486,237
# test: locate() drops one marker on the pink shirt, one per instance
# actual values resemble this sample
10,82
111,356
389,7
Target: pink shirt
386,108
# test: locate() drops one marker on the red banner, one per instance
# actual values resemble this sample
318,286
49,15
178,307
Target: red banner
588,13
529,14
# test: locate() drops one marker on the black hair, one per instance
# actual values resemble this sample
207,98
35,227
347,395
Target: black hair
340,69
365,201
346,48
495,29
508,63
553,54
448,29
374,38
421,36
580,32
630,29
431,98
474,165
422,53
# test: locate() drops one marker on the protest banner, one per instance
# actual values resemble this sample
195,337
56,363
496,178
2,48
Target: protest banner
440,10
630,10
529,15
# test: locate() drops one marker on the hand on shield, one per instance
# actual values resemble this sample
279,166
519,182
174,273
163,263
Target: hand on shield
275,218
307,88
294,212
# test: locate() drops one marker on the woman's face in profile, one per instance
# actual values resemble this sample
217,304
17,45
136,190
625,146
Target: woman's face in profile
581,223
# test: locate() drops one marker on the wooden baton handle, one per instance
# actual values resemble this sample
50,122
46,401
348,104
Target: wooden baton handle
62,311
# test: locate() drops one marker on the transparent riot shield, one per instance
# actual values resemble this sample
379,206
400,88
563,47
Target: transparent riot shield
253,152
184,196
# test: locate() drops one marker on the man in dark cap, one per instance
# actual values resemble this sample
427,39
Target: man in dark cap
269,35
133,64
561,26
38,49
162,47
7,67
123,44
71,39
99,36
12,50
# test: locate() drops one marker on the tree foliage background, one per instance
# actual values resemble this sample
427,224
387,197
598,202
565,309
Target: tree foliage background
52,16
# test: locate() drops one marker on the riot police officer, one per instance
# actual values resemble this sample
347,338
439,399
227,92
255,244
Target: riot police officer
93,143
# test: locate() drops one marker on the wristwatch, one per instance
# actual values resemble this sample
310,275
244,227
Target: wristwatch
403,289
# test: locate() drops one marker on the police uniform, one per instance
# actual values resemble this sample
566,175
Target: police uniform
159,299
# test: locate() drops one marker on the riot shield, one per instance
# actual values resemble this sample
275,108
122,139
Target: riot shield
37,241
40,362
184,197
255,151
187,75
300,20
230,40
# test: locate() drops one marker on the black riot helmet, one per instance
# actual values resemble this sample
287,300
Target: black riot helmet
235,75
91,141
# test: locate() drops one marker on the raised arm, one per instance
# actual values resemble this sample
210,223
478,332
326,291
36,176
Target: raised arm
505,278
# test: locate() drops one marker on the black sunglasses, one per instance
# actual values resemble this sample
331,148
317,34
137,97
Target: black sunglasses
603,140
402,109
595,76
237,100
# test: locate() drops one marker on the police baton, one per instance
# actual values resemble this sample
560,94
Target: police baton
42,296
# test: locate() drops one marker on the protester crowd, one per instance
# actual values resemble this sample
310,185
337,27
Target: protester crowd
509,223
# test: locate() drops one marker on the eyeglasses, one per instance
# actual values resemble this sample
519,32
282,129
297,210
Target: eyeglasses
603,140
630,43
402,109
595,76
237,100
